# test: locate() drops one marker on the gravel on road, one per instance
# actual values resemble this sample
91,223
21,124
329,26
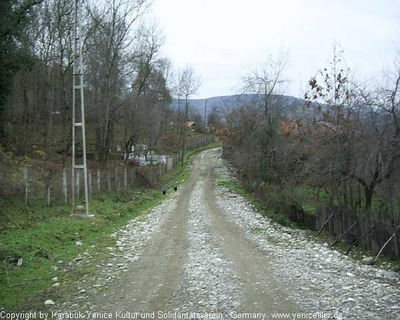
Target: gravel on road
205,251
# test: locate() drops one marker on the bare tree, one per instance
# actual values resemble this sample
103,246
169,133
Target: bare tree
149,112
149,73
50,38
382,149
188,84
266,82
110,45
354,132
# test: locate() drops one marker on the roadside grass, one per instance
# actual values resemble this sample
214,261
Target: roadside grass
47,247
38,243
312,198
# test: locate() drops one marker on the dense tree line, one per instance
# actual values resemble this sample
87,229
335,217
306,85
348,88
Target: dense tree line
14,54
128,83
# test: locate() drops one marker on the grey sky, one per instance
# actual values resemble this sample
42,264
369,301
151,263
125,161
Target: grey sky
221,38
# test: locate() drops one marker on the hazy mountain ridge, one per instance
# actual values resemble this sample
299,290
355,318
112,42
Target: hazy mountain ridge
292,106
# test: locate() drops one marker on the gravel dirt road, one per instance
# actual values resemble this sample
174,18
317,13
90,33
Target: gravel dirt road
205,252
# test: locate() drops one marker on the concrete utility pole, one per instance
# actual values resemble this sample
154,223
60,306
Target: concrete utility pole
78,115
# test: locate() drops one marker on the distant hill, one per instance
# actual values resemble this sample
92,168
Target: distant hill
292,106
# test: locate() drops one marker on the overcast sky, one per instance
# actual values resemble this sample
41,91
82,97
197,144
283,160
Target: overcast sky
223,38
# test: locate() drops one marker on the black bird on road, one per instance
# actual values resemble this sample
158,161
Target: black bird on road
175,188
164,193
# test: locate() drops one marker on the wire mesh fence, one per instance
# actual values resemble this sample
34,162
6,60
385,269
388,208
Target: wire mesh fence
53,184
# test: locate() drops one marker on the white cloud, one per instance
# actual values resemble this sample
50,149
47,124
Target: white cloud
221,37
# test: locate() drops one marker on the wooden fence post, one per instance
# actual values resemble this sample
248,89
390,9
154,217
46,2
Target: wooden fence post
26,182
77,183
344,233
109,181
125,177
325,223
98,180
90,183
116,179
386,243
48,189
65,185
